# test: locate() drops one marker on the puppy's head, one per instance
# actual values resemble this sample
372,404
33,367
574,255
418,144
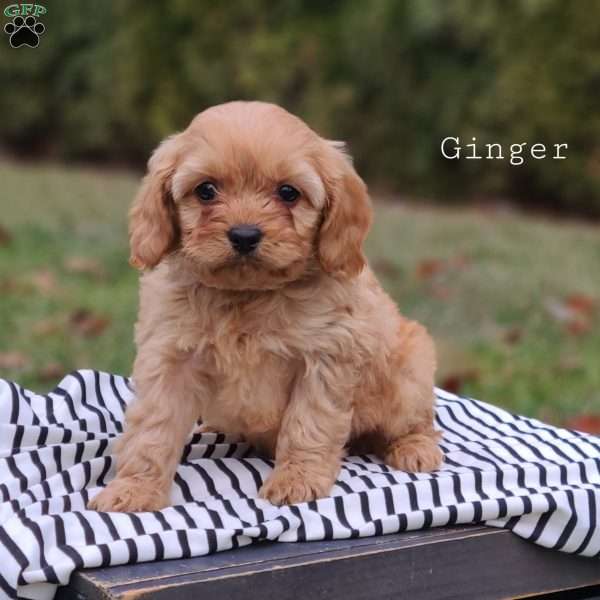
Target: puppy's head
248,197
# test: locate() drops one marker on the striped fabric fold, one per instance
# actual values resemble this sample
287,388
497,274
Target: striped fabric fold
505,470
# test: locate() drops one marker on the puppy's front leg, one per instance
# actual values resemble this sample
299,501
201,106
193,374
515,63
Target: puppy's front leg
157,426
314,430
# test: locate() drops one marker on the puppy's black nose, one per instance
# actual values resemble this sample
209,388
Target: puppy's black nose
244,238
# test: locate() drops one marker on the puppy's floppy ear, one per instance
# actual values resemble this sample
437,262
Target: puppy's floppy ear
347,214
153,227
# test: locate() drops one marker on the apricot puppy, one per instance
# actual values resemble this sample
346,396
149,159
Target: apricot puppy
259,313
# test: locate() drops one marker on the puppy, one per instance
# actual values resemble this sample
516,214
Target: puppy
260,316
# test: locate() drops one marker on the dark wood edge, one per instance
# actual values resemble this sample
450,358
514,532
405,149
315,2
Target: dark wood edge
270,552
464,563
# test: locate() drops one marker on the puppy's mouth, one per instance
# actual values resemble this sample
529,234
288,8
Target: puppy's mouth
245,270
266,267
251,272
240,261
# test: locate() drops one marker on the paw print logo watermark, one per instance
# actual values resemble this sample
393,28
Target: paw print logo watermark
25,28
24,32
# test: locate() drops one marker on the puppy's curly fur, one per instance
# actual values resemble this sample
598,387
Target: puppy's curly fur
295,346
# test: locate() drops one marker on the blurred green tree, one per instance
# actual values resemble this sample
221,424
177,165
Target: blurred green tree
392,77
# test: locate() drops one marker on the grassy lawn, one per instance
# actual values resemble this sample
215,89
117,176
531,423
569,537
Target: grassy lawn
510,299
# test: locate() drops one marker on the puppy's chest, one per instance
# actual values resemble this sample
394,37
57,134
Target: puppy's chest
252,369
233,340
250,396
233,347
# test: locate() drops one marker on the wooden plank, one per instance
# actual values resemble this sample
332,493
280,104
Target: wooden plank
462,563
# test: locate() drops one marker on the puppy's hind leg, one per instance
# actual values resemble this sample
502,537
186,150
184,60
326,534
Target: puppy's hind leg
410,442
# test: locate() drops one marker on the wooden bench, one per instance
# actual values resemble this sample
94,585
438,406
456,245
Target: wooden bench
469,562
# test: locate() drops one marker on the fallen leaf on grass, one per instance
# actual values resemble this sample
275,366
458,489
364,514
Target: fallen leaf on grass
46,327
585,422
44,281
82,265
438,272
558,310
454,382
569,363
13,360
386,268
578,326
575,312
87,323
5,236
430,267
441,292
458,262
51,371
580,303
513,335
9,285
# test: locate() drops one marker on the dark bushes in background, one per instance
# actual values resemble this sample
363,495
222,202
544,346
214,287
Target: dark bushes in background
392,77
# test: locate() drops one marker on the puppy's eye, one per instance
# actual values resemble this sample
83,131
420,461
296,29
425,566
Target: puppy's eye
206,191
288,193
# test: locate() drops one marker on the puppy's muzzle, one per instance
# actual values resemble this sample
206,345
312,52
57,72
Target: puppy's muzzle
244,238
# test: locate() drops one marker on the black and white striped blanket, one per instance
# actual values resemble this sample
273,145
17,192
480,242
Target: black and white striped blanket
55,453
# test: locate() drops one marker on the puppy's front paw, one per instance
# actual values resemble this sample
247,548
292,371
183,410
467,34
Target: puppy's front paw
291,485
129,494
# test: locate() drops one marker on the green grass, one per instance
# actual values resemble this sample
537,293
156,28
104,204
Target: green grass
491,288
